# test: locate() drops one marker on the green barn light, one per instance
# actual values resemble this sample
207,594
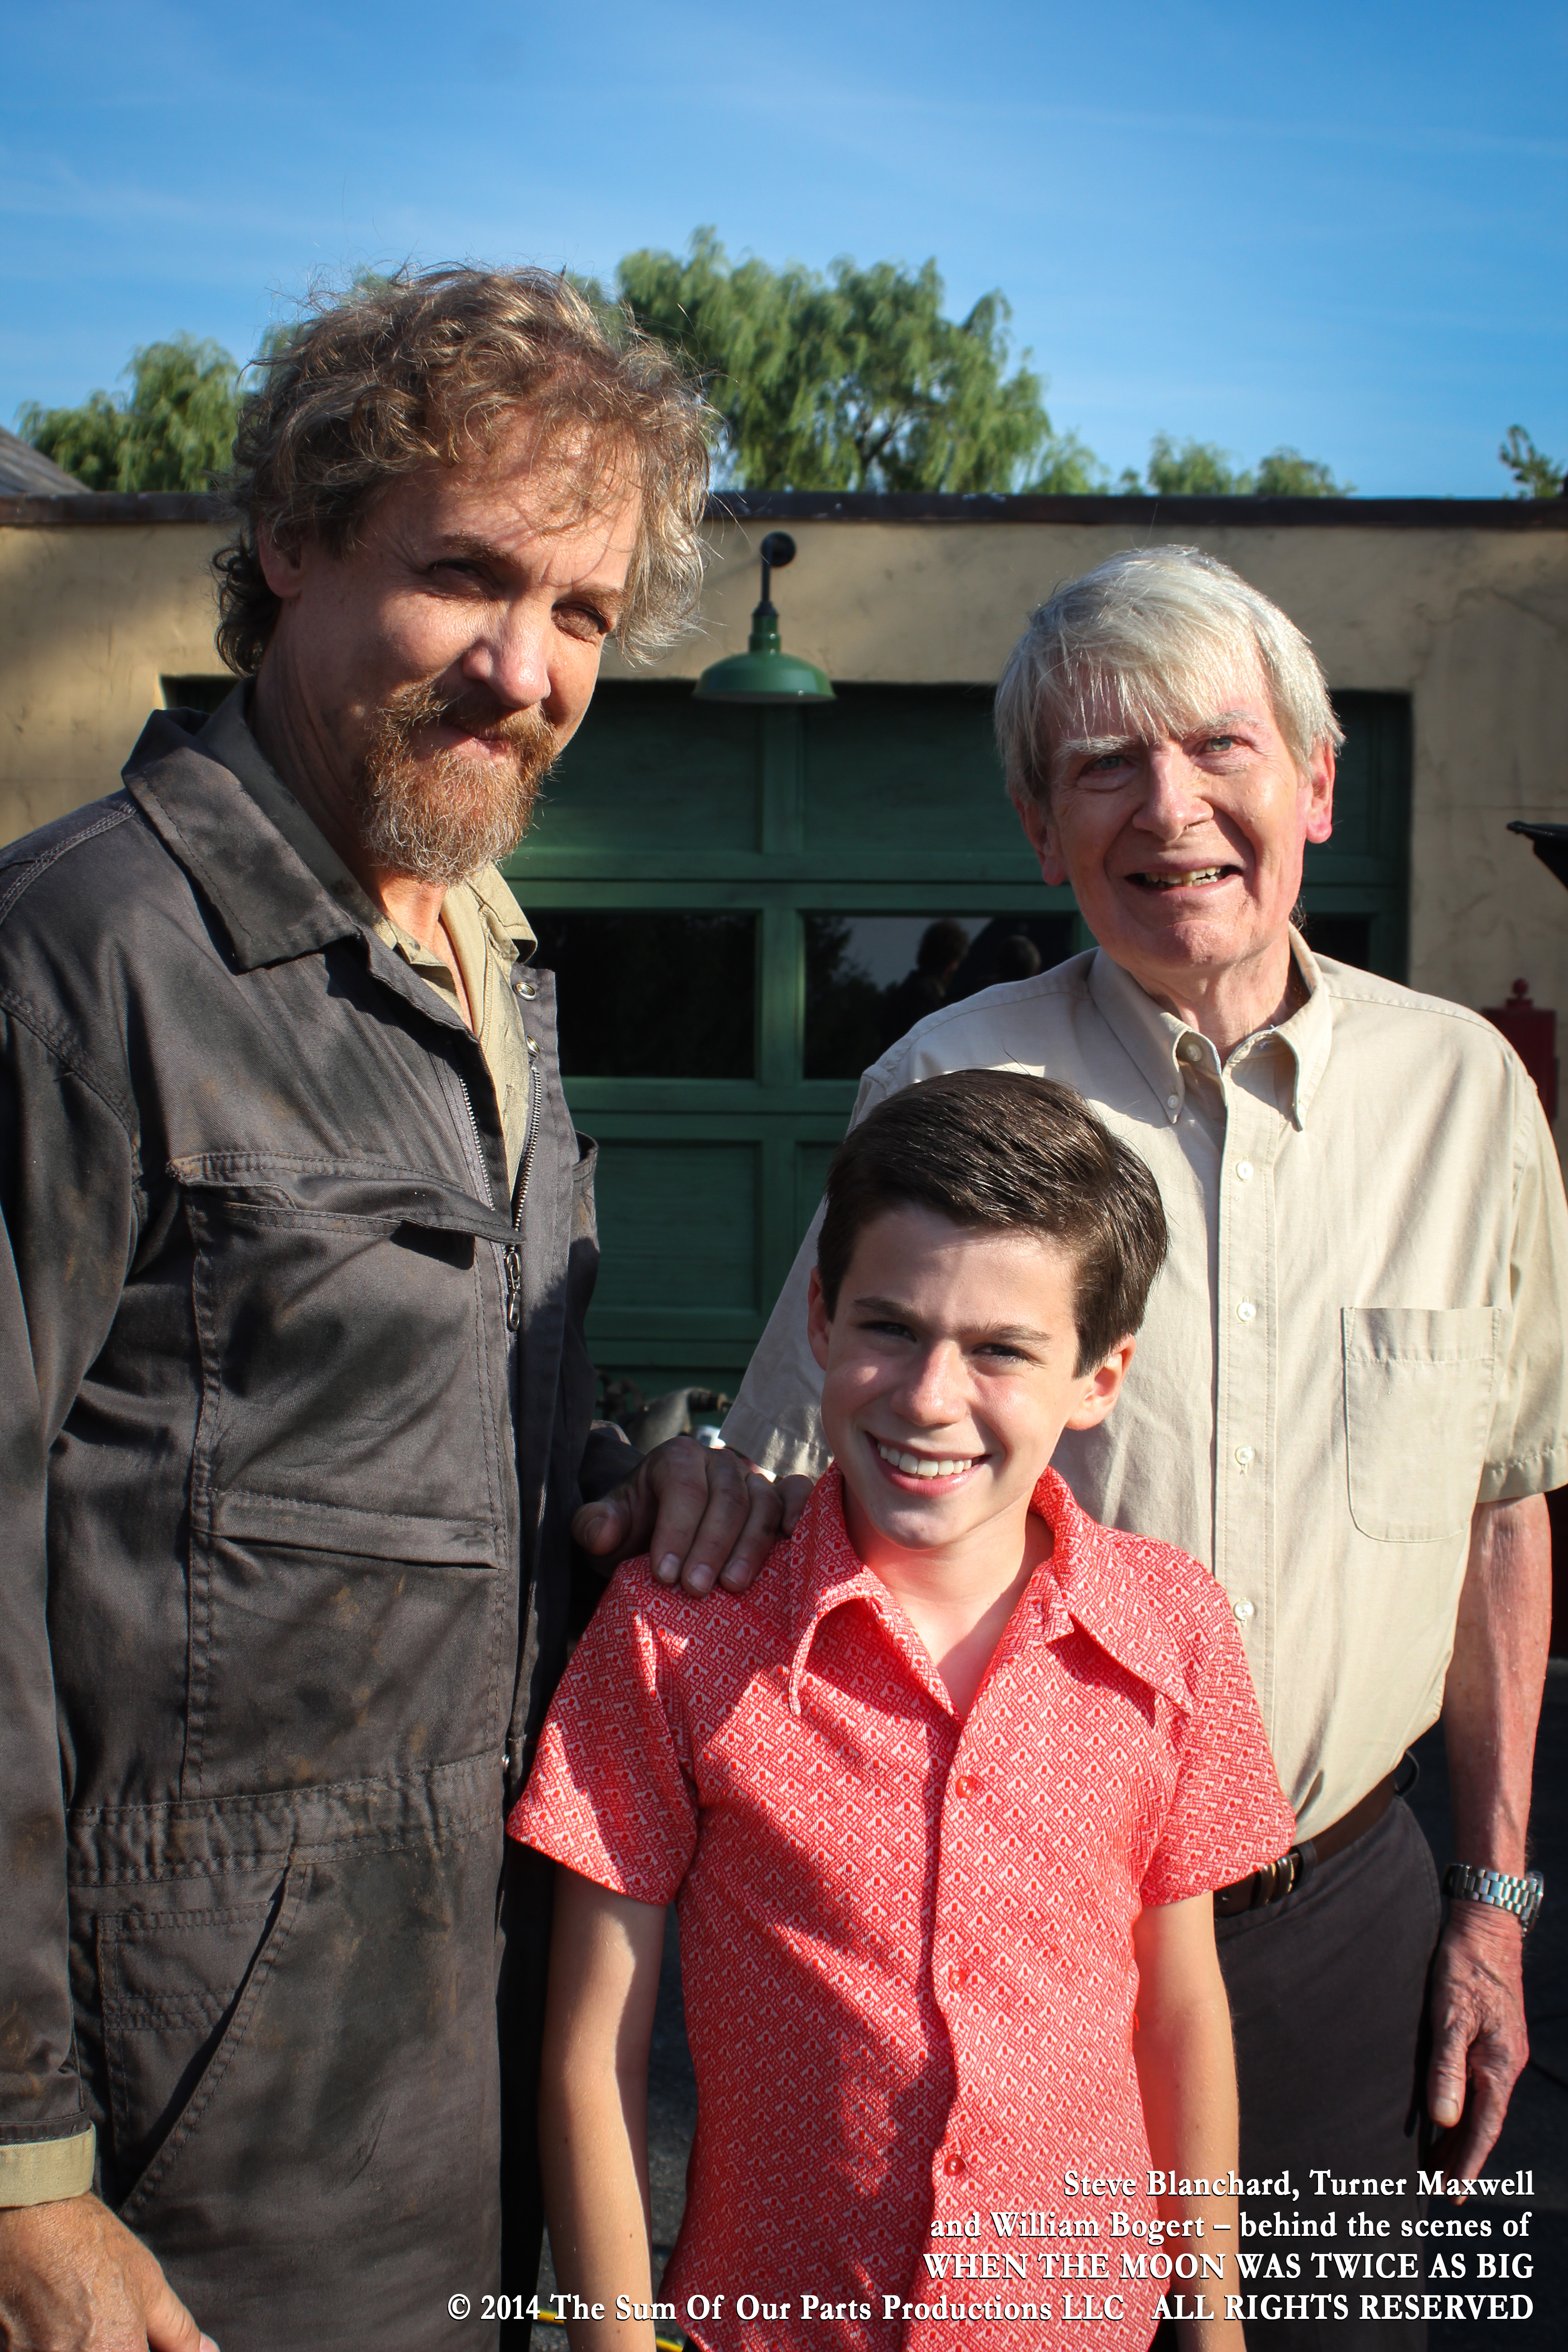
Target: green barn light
764,672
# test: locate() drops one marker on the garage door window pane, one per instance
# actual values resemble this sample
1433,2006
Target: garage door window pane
869,978
1346,938
643,995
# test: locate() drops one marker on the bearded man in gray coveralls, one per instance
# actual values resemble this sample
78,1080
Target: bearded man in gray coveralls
295,1407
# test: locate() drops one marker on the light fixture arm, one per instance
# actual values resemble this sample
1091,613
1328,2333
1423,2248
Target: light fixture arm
764,672
777,550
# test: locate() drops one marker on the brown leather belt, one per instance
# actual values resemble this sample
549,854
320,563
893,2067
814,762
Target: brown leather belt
1275,1879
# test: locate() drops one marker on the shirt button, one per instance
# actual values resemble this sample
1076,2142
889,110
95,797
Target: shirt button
1244,1610
1172,1102
954,2167
955,1976
965,1785
1246,1310
1243,1454
1243,1170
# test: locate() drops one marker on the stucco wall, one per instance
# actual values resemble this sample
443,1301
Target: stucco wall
90,616
1470,619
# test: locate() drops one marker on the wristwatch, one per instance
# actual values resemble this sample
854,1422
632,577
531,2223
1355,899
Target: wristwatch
1520,1896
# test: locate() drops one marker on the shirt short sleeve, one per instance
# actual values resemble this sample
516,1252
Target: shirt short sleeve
610,1794
1228,1816
1527,1452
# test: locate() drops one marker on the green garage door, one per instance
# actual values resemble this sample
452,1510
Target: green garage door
731,898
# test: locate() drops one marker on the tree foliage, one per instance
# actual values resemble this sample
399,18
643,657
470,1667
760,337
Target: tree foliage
174,428
852,381
172,431
1286,474
1536,475
1203,469
855,381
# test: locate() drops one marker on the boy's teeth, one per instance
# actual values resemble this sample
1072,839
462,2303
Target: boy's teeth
919,1466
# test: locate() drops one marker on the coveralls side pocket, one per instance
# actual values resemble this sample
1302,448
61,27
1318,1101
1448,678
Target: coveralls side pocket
182,1990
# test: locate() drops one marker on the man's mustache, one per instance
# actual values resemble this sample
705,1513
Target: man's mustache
475,711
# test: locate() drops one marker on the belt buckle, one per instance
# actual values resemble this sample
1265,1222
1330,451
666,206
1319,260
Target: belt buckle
1275,1879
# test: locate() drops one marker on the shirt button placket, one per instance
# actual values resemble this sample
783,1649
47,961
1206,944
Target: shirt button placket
1243,1500
954,1925
964,1787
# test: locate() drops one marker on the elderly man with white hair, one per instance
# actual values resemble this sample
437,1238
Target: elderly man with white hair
1349,1393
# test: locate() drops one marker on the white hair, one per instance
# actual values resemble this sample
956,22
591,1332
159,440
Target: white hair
1150,643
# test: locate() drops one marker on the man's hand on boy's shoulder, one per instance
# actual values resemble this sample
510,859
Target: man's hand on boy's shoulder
703,1514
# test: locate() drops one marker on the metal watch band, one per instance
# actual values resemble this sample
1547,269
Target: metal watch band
1520,1896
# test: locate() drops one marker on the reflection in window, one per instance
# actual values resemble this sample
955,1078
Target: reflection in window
643,995
869,978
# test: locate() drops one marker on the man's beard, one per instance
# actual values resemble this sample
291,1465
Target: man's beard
437,819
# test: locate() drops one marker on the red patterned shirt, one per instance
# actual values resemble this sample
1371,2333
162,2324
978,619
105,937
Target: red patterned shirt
906,1939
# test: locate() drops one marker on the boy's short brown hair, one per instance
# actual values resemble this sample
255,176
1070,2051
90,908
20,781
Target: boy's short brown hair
998,1151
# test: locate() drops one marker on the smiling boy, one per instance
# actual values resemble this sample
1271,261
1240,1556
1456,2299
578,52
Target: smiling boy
941,1804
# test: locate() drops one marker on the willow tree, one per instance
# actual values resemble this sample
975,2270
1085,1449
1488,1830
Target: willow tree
173,430
852,380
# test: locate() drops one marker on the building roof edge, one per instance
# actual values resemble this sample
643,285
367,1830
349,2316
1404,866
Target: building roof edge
1244,513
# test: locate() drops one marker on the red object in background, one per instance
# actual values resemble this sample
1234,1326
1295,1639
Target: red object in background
1531,1031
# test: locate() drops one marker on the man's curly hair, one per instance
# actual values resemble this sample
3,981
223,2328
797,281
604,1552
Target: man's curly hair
432,369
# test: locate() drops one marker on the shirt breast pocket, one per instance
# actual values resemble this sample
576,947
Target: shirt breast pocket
1418,1388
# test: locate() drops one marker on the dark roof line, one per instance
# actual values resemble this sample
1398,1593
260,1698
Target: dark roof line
1247,513
38,513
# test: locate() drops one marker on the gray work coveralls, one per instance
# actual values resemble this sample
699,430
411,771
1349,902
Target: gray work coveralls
284,1563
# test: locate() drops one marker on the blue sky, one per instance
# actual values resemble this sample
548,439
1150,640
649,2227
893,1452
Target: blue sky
1340,227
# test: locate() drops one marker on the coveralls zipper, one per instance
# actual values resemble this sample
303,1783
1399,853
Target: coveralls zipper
512,1256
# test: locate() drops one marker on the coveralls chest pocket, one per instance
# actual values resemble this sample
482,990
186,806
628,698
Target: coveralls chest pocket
1419,1391
348,1530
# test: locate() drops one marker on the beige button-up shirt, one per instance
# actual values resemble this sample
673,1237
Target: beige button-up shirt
488,928
1358,1335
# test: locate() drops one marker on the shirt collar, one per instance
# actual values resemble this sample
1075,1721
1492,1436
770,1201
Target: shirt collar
227,737
1082,1584
1092,1588
828,1572
1163,1048
272,905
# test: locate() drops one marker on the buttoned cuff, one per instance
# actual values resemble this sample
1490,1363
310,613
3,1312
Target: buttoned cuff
42,2171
